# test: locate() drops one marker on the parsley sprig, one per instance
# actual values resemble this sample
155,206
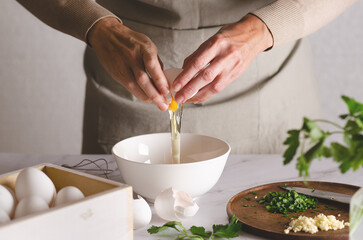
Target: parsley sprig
349,155
230,230
291,201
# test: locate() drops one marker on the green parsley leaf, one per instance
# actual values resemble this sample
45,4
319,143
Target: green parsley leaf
229,230
348,155
340,152
354,107
173,224
155,229
293,142
200,231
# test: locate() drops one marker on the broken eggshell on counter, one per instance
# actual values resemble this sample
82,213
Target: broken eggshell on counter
175,205
142,212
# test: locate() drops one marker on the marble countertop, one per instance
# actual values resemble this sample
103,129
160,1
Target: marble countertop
241,172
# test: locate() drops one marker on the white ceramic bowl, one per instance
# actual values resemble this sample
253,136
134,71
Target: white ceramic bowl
145,163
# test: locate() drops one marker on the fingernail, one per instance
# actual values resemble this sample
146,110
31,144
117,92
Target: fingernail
179,99
164,107
177,87
194,94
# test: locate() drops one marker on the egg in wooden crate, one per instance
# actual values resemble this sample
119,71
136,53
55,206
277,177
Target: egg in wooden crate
88,207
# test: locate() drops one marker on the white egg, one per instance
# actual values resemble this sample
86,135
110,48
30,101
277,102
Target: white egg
174,205
30,205
7,200
4,218
68,194
32,181
142,213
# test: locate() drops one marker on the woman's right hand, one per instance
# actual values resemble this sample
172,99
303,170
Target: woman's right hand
131,59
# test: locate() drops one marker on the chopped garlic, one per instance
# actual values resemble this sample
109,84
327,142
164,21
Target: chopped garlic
312,225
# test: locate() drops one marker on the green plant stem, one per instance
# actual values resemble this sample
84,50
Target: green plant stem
330,122
337,132
302,146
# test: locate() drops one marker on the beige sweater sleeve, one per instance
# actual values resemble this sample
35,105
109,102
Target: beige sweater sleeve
289,20
74,17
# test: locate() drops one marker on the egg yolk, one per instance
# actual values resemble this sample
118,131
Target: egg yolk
173,105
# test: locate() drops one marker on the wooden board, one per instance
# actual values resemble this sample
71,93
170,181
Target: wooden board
257,220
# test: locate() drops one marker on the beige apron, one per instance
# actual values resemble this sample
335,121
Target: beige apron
252,114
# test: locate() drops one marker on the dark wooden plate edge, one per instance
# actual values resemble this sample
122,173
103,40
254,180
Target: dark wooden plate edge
272,235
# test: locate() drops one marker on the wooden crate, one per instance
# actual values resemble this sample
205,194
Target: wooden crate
105,212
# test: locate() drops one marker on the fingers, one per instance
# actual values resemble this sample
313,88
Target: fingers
206,76
127,79
145,83
161,63
196,62
211,89
218,84
153,67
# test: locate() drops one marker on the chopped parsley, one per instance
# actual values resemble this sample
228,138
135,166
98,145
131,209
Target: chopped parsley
291,201
329,208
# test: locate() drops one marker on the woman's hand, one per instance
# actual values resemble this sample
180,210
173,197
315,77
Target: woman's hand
221,59
131,59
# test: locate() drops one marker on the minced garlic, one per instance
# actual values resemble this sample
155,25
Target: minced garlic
312,225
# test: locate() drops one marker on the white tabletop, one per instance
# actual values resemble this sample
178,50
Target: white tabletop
241,172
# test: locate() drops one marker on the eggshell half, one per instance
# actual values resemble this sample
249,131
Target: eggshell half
142,213
68,194
4,218
175,205
170,75
30,205
32,181
7,200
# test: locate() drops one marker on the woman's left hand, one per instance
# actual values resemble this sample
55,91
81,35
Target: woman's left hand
221,59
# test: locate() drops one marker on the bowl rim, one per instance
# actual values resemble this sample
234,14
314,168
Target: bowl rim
169,164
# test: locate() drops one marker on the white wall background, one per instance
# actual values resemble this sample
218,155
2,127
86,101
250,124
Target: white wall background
42,81
41,85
